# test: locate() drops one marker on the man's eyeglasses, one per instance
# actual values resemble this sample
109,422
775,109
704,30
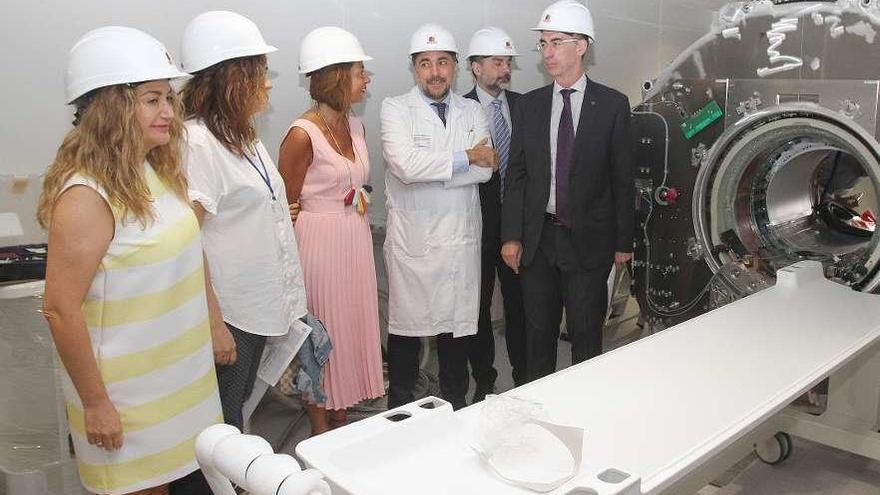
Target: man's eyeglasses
542,45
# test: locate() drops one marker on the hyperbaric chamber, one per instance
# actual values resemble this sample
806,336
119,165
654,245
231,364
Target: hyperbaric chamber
758,148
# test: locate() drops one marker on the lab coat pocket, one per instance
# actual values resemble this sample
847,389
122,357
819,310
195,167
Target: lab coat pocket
408,231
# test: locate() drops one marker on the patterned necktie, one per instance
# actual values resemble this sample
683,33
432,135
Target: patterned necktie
564,152
501,138
440,107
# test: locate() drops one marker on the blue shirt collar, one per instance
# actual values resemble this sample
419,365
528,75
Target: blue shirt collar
428,101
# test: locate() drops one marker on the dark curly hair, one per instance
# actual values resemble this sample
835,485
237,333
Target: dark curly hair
226,96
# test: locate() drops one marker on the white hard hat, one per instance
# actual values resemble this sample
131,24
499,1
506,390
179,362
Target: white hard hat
219,35
113,55
567,16
491,41
329,45
431,38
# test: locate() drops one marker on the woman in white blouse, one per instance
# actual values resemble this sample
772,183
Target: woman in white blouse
240,199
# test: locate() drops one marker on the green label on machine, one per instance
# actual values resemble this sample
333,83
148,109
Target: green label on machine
701,120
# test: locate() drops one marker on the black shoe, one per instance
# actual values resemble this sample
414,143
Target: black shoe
481,392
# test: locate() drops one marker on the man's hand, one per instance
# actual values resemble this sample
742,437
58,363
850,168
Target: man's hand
482,155
224,344
511,252
621,258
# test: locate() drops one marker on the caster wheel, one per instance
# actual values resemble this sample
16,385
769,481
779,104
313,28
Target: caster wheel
775,449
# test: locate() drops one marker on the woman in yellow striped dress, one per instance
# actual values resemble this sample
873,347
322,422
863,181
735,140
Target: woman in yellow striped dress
125,282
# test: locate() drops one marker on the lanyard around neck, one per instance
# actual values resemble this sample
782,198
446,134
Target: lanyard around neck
264,174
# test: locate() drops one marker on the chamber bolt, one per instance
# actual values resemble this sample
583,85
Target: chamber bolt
694,249
749,106
850,109
698,154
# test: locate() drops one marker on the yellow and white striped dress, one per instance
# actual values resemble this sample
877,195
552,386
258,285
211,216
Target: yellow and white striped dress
148,322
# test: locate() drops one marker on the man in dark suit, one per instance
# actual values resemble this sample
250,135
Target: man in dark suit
568,210
490,54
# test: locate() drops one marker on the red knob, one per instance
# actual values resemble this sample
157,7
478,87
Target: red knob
670,195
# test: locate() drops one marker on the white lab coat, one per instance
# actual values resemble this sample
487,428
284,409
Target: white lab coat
434,224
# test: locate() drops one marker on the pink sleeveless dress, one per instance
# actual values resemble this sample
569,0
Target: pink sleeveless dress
336,254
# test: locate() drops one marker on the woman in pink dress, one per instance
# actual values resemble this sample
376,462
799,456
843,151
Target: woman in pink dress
326,170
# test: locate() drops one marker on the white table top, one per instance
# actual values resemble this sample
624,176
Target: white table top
656,408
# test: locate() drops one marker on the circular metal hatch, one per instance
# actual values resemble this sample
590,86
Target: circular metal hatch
782,186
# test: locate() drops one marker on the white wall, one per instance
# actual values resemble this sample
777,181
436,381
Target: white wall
635,39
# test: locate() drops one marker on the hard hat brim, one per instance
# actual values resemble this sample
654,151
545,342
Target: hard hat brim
514,54
107,80
223,56
590,38
448,50
328,62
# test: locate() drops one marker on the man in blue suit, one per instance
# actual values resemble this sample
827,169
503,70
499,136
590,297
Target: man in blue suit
490,54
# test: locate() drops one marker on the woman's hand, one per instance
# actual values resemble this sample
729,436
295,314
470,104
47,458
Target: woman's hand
221,338
224,344
103,426
294,210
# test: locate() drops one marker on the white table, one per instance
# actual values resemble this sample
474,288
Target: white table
663,410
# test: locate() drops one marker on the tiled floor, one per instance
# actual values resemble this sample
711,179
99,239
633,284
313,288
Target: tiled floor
812,469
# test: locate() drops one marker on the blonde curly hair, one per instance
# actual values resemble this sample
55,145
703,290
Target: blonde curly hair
107,145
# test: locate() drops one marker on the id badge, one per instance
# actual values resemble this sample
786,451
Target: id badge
422,140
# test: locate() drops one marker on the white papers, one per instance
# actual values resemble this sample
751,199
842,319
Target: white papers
277,355
279,352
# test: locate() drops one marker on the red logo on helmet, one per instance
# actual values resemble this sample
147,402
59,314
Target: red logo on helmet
432,40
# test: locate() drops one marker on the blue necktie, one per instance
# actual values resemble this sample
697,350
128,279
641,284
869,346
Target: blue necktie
501,138
440,107
564,152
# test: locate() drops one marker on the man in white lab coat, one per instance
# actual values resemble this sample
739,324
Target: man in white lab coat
435,147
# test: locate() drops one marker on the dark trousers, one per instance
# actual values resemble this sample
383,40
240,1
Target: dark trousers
191,484
403,369
555,279
481,348
236,381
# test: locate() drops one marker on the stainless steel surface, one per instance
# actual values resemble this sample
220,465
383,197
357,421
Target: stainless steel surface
797,84
763,181
34,454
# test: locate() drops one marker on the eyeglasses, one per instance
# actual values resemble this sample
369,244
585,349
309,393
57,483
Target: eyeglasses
542,45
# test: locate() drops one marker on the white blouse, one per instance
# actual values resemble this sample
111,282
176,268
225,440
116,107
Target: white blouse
247,234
